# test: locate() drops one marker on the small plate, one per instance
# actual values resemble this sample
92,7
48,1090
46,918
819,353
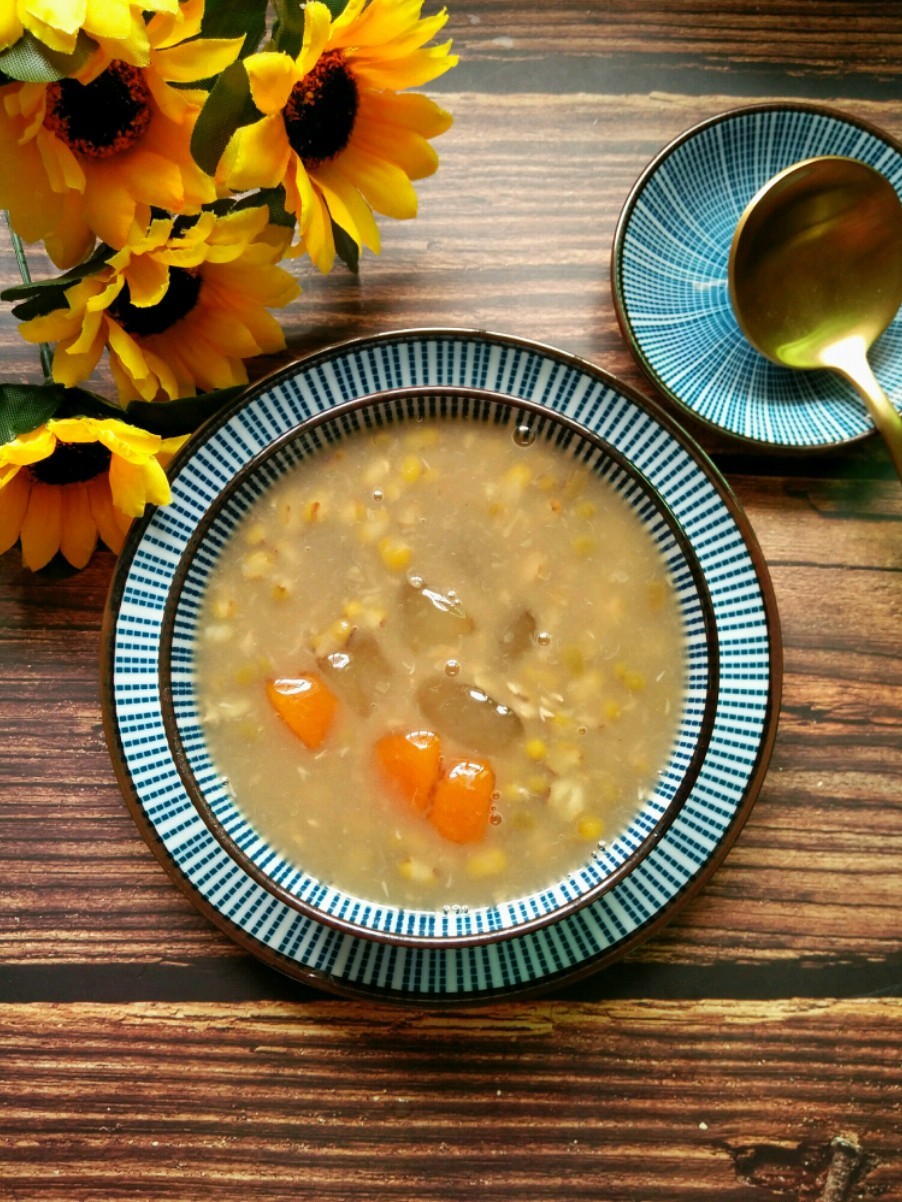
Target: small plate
742,733
669,277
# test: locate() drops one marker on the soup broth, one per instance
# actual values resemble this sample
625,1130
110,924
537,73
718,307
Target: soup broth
439,664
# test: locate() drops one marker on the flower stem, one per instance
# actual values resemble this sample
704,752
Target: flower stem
22,261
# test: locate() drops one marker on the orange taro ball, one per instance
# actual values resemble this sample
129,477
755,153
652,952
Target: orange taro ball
410,761
462,802
306,705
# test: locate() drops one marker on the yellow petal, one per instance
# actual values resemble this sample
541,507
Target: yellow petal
101,503
42,525
164,376
317,240
175,24
51,327
13,505
25,191
79,534
130,443
220,329
393,27
127,487
70,241
156,483
10,27
27,448
174,103
169,448
403,147
109,208
411,71
272,76
52,36
104,18
64,172
410,110
131,357
202,59
384,185
258,154
147,279
70,367
317,27
90,331
74,429
347,207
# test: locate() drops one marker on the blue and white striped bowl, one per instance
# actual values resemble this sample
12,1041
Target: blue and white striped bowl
366,917
669,277
352,946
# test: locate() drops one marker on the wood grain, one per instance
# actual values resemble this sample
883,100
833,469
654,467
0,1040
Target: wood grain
653,1101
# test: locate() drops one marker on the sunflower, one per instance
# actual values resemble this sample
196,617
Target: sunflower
335,133
179,309
116,25
91,155
75,479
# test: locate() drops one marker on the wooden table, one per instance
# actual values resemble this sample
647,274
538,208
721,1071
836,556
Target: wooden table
753,1050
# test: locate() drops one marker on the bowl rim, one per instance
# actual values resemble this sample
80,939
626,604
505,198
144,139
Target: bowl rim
617,253
411,397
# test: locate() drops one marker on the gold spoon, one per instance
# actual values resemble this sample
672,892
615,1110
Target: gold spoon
816,274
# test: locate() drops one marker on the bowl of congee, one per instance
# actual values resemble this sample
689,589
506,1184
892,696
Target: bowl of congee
438,666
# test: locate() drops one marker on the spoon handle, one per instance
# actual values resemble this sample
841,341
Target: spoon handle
850,359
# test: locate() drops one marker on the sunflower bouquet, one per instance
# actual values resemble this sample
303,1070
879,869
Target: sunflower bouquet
171,156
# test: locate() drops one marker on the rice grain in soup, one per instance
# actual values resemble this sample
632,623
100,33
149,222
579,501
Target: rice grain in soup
439,664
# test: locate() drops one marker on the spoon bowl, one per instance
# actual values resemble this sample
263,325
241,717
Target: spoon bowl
815,274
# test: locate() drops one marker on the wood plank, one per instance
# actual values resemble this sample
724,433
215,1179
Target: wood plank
658,1101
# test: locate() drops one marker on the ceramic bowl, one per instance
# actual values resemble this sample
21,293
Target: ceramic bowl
370,916
139,709
669,277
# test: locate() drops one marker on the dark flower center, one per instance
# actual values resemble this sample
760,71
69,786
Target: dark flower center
321,110
181,297
103,117
72,463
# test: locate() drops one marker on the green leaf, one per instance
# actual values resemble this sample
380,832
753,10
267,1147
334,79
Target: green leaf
24,407
274,198
30,61
79,402
43,296
288,30
170,419
232,18
336,7
228,107
346,248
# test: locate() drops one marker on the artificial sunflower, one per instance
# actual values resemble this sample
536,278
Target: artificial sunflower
75,479
90,156
335,133
179,309
116,25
